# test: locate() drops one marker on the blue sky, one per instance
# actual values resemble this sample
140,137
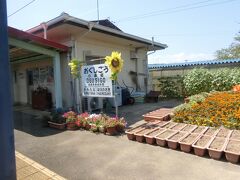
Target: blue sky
192,29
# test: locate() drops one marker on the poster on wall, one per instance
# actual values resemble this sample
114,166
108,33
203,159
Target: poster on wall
96,81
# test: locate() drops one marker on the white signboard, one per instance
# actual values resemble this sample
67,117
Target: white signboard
96,81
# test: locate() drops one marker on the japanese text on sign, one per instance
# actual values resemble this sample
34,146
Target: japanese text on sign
96,81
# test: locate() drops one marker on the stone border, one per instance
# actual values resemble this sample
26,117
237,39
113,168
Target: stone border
39,167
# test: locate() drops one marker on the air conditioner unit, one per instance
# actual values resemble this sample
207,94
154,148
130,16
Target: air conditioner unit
118,92
93,103
133,55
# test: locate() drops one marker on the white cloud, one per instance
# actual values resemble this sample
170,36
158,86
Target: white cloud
179,57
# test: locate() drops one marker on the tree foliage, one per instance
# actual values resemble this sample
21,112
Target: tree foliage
233,51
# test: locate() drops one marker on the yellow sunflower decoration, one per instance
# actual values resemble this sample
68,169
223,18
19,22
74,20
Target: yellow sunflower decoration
115,63
75,66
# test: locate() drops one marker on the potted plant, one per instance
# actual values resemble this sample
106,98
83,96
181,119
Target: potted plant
121,124
81,118
56,120
111,126
71,118
102,124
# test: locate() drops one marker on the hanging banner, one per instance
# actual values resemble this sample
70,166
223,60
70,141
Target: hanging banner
96,81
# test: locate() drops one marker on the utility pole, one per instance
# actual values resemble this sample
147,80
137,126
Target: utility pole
98,11
7,150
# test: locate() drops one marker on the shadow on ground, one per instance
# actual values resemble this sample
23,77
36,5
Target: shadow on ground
31,124
34,124
133,113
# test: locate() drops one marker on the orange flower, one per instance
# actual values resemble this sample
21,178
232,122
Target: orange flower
236,88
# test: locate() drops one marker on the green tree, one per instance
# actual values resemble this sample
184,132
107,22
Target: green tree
233,51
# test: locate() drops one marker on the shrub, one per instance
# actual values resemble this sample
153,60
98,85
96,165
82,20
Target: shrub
197,81
203,80
222,80
171,86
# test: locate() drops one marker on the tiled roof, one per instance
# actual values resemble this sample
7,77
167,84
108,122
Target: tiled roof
107,23
195,63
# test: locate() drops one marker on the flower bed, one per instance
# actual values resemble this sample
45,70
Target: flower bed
217,109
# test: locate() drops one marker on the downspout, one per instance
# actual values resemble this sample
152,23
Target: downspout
154,50
44,26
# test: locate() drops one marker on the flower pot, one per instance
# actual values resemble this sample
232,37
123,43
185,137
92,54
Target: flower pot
87,126
111,131
187,141
216,147
224,133
201,144
189,128
130,132
162,114
57,125
71,126
235,135
173,140
140,134
178,127
161,138
232,150
200,130
162,123
211,131
120,128
94,128
169,125
102,129
150,136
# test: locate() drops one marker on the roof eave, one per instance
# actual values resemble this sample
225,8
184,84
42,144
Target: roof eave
65,18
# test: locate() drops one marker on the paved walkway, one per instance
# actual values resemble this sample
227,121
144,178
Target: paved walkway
28,169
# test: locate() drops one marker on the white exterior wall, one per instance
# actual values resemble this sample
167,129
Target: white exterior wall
98,48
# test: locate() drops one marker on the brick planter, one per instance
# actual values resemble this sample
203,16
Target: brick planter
232,151
216,147
201,144
161,138
187,141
